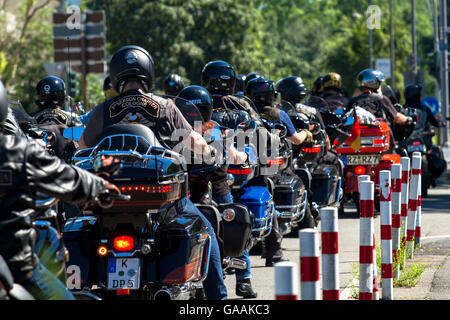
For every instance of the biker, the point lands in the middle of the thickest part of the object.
(51, 95)
(333, 91)
(372, 100)
(109, 93)
(132, 76)
(262, 94)
(219, 78)
(413, 94)
(26, 168)
(173, 84)
(201, 98)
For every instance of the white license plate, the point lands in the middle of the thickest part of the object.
(412, 148)
(124, 273)
(368, 159)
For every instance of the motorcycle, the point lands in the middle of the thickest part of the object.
(323, 180)
(371, 158)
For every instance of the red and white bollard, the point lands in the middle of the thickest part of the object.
(405, 162)
(387, 282)
(366, 236)
(413, 201)
(330, 253)
(396, 189)
(309, 264)
(286, 281)
(418, 233)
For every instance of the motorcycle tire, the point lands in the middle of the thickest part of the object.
(308, 220)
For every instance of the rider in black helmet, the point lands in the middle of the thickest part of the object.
(333, 86)
(173, 84)
(26, 168)
(132, 76)
(51, 96)
(219, 78)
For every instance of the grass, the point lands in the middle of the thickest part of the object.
(409, 274)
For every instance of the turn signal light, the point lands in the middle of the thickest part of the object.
(123, 243)
(147, 188)
(360, 170)
(102, 251)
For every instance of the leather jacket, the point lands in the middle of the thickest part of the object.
(26, 168)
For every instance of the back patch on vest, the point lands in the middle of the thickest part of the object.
(135, 103)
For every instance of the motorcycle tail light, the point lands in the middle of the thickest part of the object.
(246, 171)
(275, 161)
(416, 143)
(147, 188)
(123, 243)
(359, 170)
(378, 142)
(311, 150)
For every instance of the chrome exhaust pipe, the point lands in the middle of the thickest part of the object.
(173, 293)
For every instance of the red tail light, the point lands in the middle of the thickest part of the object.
(123, 243)
(359, 170)
(147, 188)
(311, 150)
(416, 143)
(378, 142)
(240, 171)
(275, 161)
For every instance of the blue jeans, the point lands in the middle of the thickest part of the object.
(44, 285)
(241, 274)
(214, 284)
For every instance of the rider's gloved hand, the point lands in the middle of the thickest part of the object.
(309, 136)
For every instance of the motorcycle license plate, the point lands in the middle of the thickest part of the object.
(412, 148)
(124, 273)
(359, 159)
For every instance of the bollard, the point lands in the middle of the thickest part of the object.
(413, 201)
(366, 235)
(418, 232)
(387, 283)
(330, 256)
(396, 188)
(375, 271)
(309, 264)
(405, 162)
(286, 281)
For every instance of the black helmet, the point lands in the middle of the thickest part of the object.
(260, 91)
(332, 81)
(50, 92)
(108, 89)
(317, 87)
(3, 104)
(251, 76)
(200, 97)
(292, 89)
(370, 79)
(173, 84)
(240, 83)
(131, 63)
(413, 92)
(219, 77)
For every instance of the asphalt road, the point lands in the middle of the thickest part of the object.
(434, 253)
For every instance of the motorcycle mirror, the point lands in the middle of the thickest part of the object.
(73, 133)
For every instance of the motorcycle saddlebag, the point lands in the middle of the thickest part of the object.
(288, 189)
(183, 249)
(437, 163)
(237, 229)
(259, 201)
(325, 185)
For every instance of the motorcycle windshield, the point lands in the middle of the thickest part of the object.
(19, 111)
